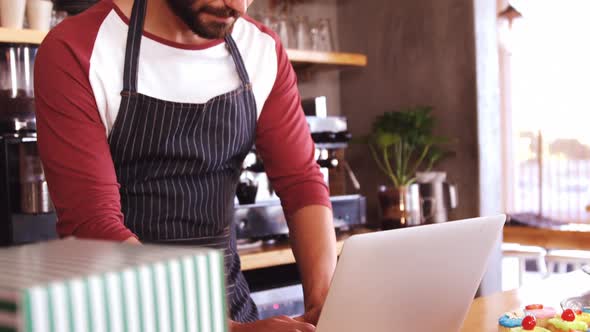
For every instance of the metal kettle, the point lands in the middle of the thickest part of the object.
(439, 196)
(33, 186)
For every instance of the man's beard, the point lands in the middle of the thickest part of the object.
(191, 17)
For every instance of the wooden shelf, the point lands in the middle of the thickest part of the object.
(299, 57)
(275, 255)
(21, 36)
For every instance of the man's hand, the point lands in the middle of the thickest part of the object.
(132, 240)
(275, 324)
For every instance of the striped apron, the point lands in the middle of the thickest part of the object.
(178, 164)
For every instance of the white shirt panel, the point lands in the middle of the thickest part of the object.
(176, 74)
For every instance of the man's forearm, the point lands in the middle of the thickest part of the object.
(313, 241)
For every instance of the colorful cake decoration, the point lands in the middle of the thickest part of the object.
(540, 318)
(511, 319)
(534, 306)
(583, 316)
(541, 313)
(568, 315)
(567, 322)
(529, 323)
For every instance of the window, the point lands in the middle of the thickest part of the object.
(547, 110)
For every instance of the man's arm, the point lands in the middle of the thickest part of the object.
(314, 245)
(73, 145)
(284, 142)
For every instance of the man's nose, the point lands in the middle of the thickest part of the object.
(238, 5)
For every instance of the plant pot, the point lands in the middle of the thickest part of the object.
(400, 207)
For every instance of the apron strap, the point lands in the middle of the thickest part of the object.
(237, 57)
(134, 35)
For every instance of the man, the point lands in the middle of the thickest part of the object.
(146, 110)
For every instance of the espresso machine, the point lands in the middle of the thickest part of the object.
(258, 211)
(26, 211)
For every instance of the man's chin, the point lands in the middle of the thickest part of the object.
(210, 33)
(214, 30)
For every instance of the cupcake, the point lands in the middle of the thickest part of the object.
(510, 320)
(566, 322)
(529, 323)
(582, 316)
(541, 313)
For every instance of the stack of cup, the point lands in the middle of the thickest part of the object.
(39, 13)
(12, 14)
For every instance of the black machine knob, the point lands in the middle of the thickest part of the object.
(332, 137)
(328, 163)
(343, 137)
(324, 137)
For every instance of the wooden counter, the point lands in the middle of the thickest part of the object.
(281, 254)
(484, 312)
(567, 237)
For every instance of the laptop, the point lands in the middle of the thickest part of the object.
(415, 279)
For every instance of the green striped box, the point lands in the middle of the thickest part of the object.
(79, 285)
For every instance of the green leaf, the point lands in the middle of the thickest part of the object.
(403, 142)
(384, 140)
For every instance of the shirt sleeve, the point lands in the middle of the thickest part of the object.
(73, 146)
(284, 142)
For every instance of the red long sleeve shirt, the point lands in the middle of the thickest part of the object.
(78, 80)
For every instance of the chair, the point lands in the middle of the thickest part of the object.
(560, 259)
(524, 253)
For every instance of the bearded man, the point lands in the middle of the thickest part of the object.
(146, 110)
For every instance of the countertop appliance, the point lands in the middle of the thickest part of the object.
(266, 220)
(439, 196)
(331, 137)
(259, 214)
(26, 211)
(316, 106)
(17, 105)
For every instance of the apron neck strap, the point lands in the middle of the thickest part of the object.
(237, 57)
(134, 35)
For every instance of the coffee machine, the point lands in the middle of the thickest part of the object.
(258, 212)
(26, 211)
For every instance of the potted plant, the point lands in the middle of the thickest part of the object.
(402, 143)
